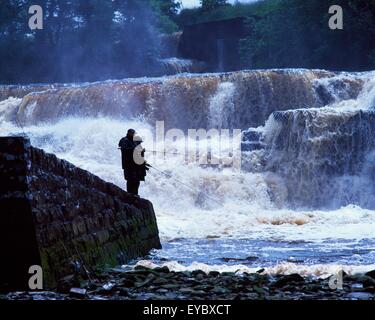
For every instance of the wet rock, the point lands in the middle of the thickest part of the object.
(65, 284)
(370, 289)
(108, 286)
(198, 272)
(171, 286)
(219, 290)
(123, 292)
(149, 279)
(368, 281)
(370, 274)
(153, 285)
(200, 276)
(259, 290)
(142, 268)
(360, 296)
(127, 283)
(164, 269)
(77, 293)
(288, 279)
(161, 281)
(357, 286)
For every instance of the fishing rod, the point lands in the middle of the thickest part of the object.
(166, 152)
(21, 126)
(177, 180)
(182, 183)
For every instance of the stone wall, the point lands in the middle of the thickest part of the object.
(63, 218)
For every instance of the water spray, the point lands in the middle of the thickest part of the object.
(183, 183)
(21, 126)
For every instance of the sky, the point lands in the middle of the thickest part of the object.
(195, 3)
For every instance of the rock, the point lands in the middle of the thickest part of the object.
(123, 292)
(127, 283)
(160, 281)
(368, 282)
(219, 290)
(65, 284)
(162, 290)
(200, 276)
(109, 286)
(170, 286)
(214, 274)
(370, 274)
(359, 295)
(142, 268)
(285, 280)
(203, 287)
(164, 269)
(357, 286)
(150, 278)
(197, 272)
(186, 290)
(370, 290)
(77, 293)
(259, 290)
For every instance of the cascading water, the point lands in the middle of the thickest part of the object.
(222, 106)
(228, 219)
(325, 155)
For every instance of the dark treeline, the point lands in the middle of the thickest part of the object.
(295, 33)
(90, 40)
(82, 40)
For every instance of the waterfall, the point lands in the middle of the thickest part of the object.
(325, 154)
(185, 101)
(306, 186)
(175, 65)
(221, 106)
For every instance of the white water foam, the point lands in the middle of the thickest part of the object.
(317, 270)
(242, 206)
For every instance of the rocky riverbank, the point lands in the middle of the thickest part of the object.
(163, 284)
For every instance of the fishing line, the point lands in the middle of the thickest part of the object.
(21, 126)
(166, 152)
(184, 184)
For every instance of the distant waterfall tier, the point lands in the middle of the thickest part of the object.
(188, 101)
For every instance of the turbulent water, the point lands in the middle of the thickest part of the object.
(304, 199)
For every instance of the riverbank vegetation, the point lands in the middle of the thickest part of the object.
(96, 40)
(295, 33)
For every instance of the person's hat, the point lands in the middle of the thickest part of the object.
(137, 138)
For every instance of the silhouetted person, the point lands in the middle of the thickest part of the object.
(133, 161)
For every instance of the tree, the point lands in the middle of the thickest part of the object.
(166, 12)
(209, 5)
(82, 40)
